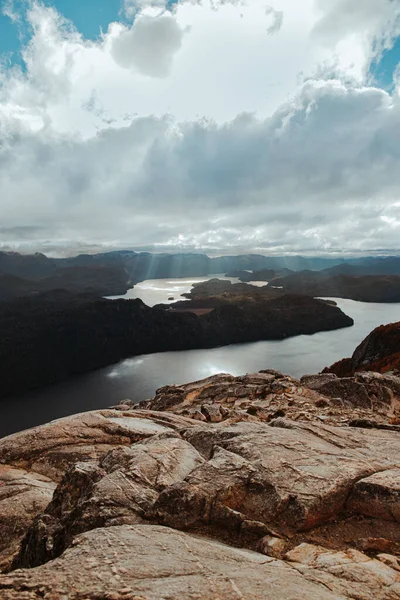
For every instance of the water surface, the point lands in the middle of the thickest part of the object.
(138, 378)
(167, 291)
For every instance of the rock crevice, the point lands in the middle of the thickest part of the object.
(140, 499)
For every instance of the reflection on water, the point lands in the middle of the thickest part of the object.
(159, 291)
(138, 378)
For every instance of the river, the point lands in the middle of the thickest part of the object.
(137, 378)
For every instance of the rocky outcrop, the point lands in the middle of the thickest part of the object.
(378, 352)
(151, 562)
(269, 395)
(22, 495)
(379, 393)
(248, 487)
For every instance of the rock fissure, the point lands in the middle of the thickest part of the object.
(284, 499)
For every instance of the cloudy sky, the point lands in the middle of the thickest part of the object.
(220, 125)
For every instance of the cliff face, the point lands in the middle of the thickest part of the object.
(380, 351)
(256, 487)
(53, 337)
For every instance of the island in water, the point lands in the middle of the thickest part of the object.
(54, 336)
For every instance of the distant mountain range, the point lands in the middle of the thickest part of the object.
(112, 273)
(99, 280)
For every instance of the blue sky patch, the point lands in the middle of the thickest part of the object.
(382, 71)
(88, 16)
(92, 16)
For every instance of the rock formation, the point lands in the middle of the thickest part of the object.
(253, 487)
(378, 352)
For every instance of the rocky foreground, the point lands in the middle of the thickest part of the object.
(254, 487)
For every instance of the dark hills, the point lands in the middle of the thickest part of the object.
(99, 280)
(373, 266)
(365, 288)
(51, 337)
(262, 275)
(365, 280)
(112, 273)
(227, 291)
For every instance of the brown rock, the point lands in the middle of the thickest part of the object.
(291, 476)
(377, 496)
(273, 546)
(52, 448)
(120, 489)
(212, 413)
(375, 579)
(372, 544)
(22, 496)
(151, 562)
(303, 478)
(390, 561)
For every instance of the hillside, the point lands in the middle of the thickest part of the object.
(365, 288)
(99, 280)
(50, 337)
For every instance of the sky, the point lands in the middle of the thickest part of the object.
(229, 126)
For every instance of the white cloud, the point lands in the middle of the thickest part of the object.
(372, 24)
(9, 11)
(247, 157)
(149, 45)
(297, 179)
(132, 7)
(277, 20)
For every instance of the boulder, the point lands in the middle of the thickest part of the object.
(377, 496)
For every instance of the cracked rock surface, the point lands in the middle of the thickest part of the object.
(260, 486)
